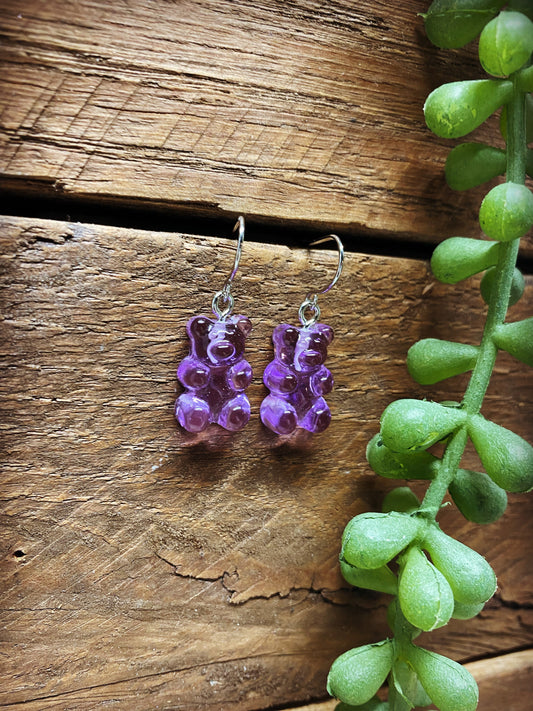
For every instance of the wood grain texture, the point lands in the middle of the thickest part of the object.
(146, 568)
(303, 112)
(504, 682)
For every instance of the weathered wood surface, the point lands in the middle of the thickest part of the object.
(303, 112)
(146, 568)
(504, 683)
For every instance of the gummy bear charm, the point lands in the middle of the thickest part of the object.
(298, 379)
(215, 374)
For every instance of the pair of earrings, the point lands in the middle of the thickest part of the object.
(215, 374)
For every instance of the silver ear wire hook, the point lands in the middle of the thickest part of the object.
(224, 296)
(310, 302)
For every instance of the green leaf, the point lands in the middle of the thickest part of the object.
(462, 611)
(506, 212)
(356, 675)
(517, 339)
(471, 164)
(379, 579)
(507, 458)
(412, 425)
(451, 23)
(455, 109)
(406, 679)
(518, 285)
(431, 360)
(458, 258)
(449, 685)
(506, 43)
(424, 594)
(371, 540)
(477, 497)
(470, 576)
(401, 499)
(400, 465)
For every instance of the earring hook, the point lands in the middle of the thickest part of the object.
(224, 296)
(340, 247)
(310, 302)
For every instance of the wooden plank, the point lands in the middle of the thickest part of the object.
(304, 112)
(506, 679)
(144, 567)
(504, 682)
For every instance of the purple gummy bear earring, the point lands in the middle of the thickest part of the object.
(215, 374)
(297, 377)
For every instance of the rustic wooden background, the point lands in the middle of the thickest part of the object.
(144, 568)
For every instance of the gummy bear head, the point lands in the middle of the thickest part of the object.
(285, 338)
(218, 342)
(304, 348)
(312, 347)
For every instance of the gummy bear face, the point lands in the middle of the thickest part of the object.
(218, 343)
(305, 349)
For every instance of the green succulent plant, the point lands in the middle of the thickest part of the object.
(437, 576)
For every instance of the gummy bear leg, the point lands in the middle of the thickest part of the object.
(192, 412)
(235, 413)
(318, 417)
(278, 415)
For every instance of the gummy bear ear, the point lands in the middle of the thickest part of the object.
(325, 331)
(244, 325)
(199, 326)
(285, 334)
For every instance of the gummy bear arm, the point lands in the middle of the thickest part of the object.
(239, 376)
(191, 372)
(280, 378)
(321, 381)
(323, 372)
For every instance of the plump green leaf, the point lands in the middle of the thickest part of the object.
(455, 109)
(401, 499)
(458, 258)
(507, 458)
(477, 497)
(471, 578)
(400, 465)
(453, 23)
(506, 43)
(424, 594)
(380, 579)
(449, 685)
(506, 212)
(371, 540)
(356, 675)
(406, 680)
(517, 339)
(518, 285)
(431, 360)
(471, 164)
(412, 425)
(462, 611)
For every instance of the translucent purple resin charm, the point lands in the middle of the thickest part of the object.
(298, 379)
(215, 374)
